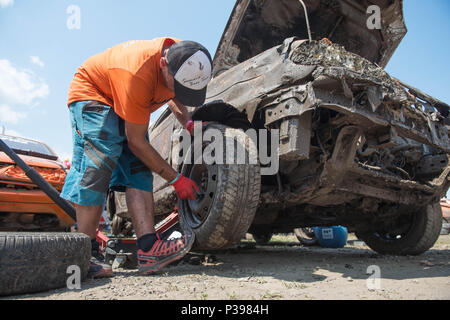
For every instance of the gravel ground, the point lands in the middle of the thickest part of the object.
(283, 269)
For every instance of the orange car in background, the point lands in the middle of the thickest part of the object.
(23, 206)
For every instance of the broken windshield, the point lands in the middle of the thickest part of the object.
(29, 147)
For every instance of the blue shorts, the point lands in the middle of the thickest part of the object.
(101, 157)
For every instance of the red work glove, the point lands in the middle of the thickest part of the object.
(184, 187)
(191, 124)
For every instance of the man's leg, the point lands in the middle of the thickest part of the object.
(97, 146)
(154, 252)
(88, 218)
(141, 208)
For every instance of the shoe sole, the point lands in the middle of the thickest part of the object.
(155, 268)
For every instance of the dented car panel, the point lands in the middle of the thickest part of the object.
(299, 76)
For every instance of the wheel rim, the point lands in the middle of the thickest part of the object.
(196, 211)
(309, 232)
(389, 236)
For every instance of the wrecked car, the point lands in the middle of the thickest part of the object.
(354, 146)
(23, 206)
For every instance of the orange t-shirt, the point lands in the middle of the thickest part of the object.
(126, 77)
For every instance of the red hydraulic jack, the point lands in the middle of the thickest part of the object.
(122, 252)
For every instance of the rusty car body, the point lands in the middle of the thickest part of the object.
(357, 147)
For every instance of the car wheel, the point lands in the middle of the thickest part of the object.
(419, 236)
(306, 236)
(225, 211)
(38, 261)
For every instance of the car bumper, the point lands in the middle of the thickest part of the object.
(32, 201)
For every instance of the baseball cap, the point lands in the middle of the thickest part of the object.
(190, 64)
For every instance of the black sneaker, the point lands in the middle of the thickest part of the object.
(98, 267)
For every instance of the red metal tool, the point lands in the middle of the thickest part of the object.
(123, 251)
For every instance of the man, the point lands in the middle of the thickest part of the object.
(110, 100)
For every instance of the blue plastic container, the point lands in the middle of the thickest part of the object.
(331, 237)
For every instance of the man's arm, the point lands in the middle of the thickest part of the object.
(139, 145)
(180, 111)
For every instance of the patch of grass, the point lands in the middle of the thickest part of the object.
(294, 285)
(271, 296)
(232, 296)
(260, 280)
(171, 287)
(288, 238)
(443, 240)
(284, 238)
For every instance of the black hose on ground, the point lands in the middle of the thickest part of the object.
(39, 181)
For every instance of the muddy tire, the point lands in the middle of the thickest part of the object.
(306, 236)
(423, 232)
(33, 262)
(223, 215)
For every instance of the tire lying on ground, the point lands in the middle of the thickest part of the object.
(222, 216)
(423, 231)
(306, 236)
(38, 261)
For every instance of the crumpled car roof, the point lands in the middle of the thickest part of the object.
(255, 26)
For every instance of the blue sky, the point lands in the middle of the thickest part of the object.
(34, 105)
(39, 54)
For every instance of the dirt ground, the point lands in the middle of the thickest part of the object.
(283, 269)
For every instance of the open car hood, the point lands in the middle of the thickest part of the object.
(257, 25)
